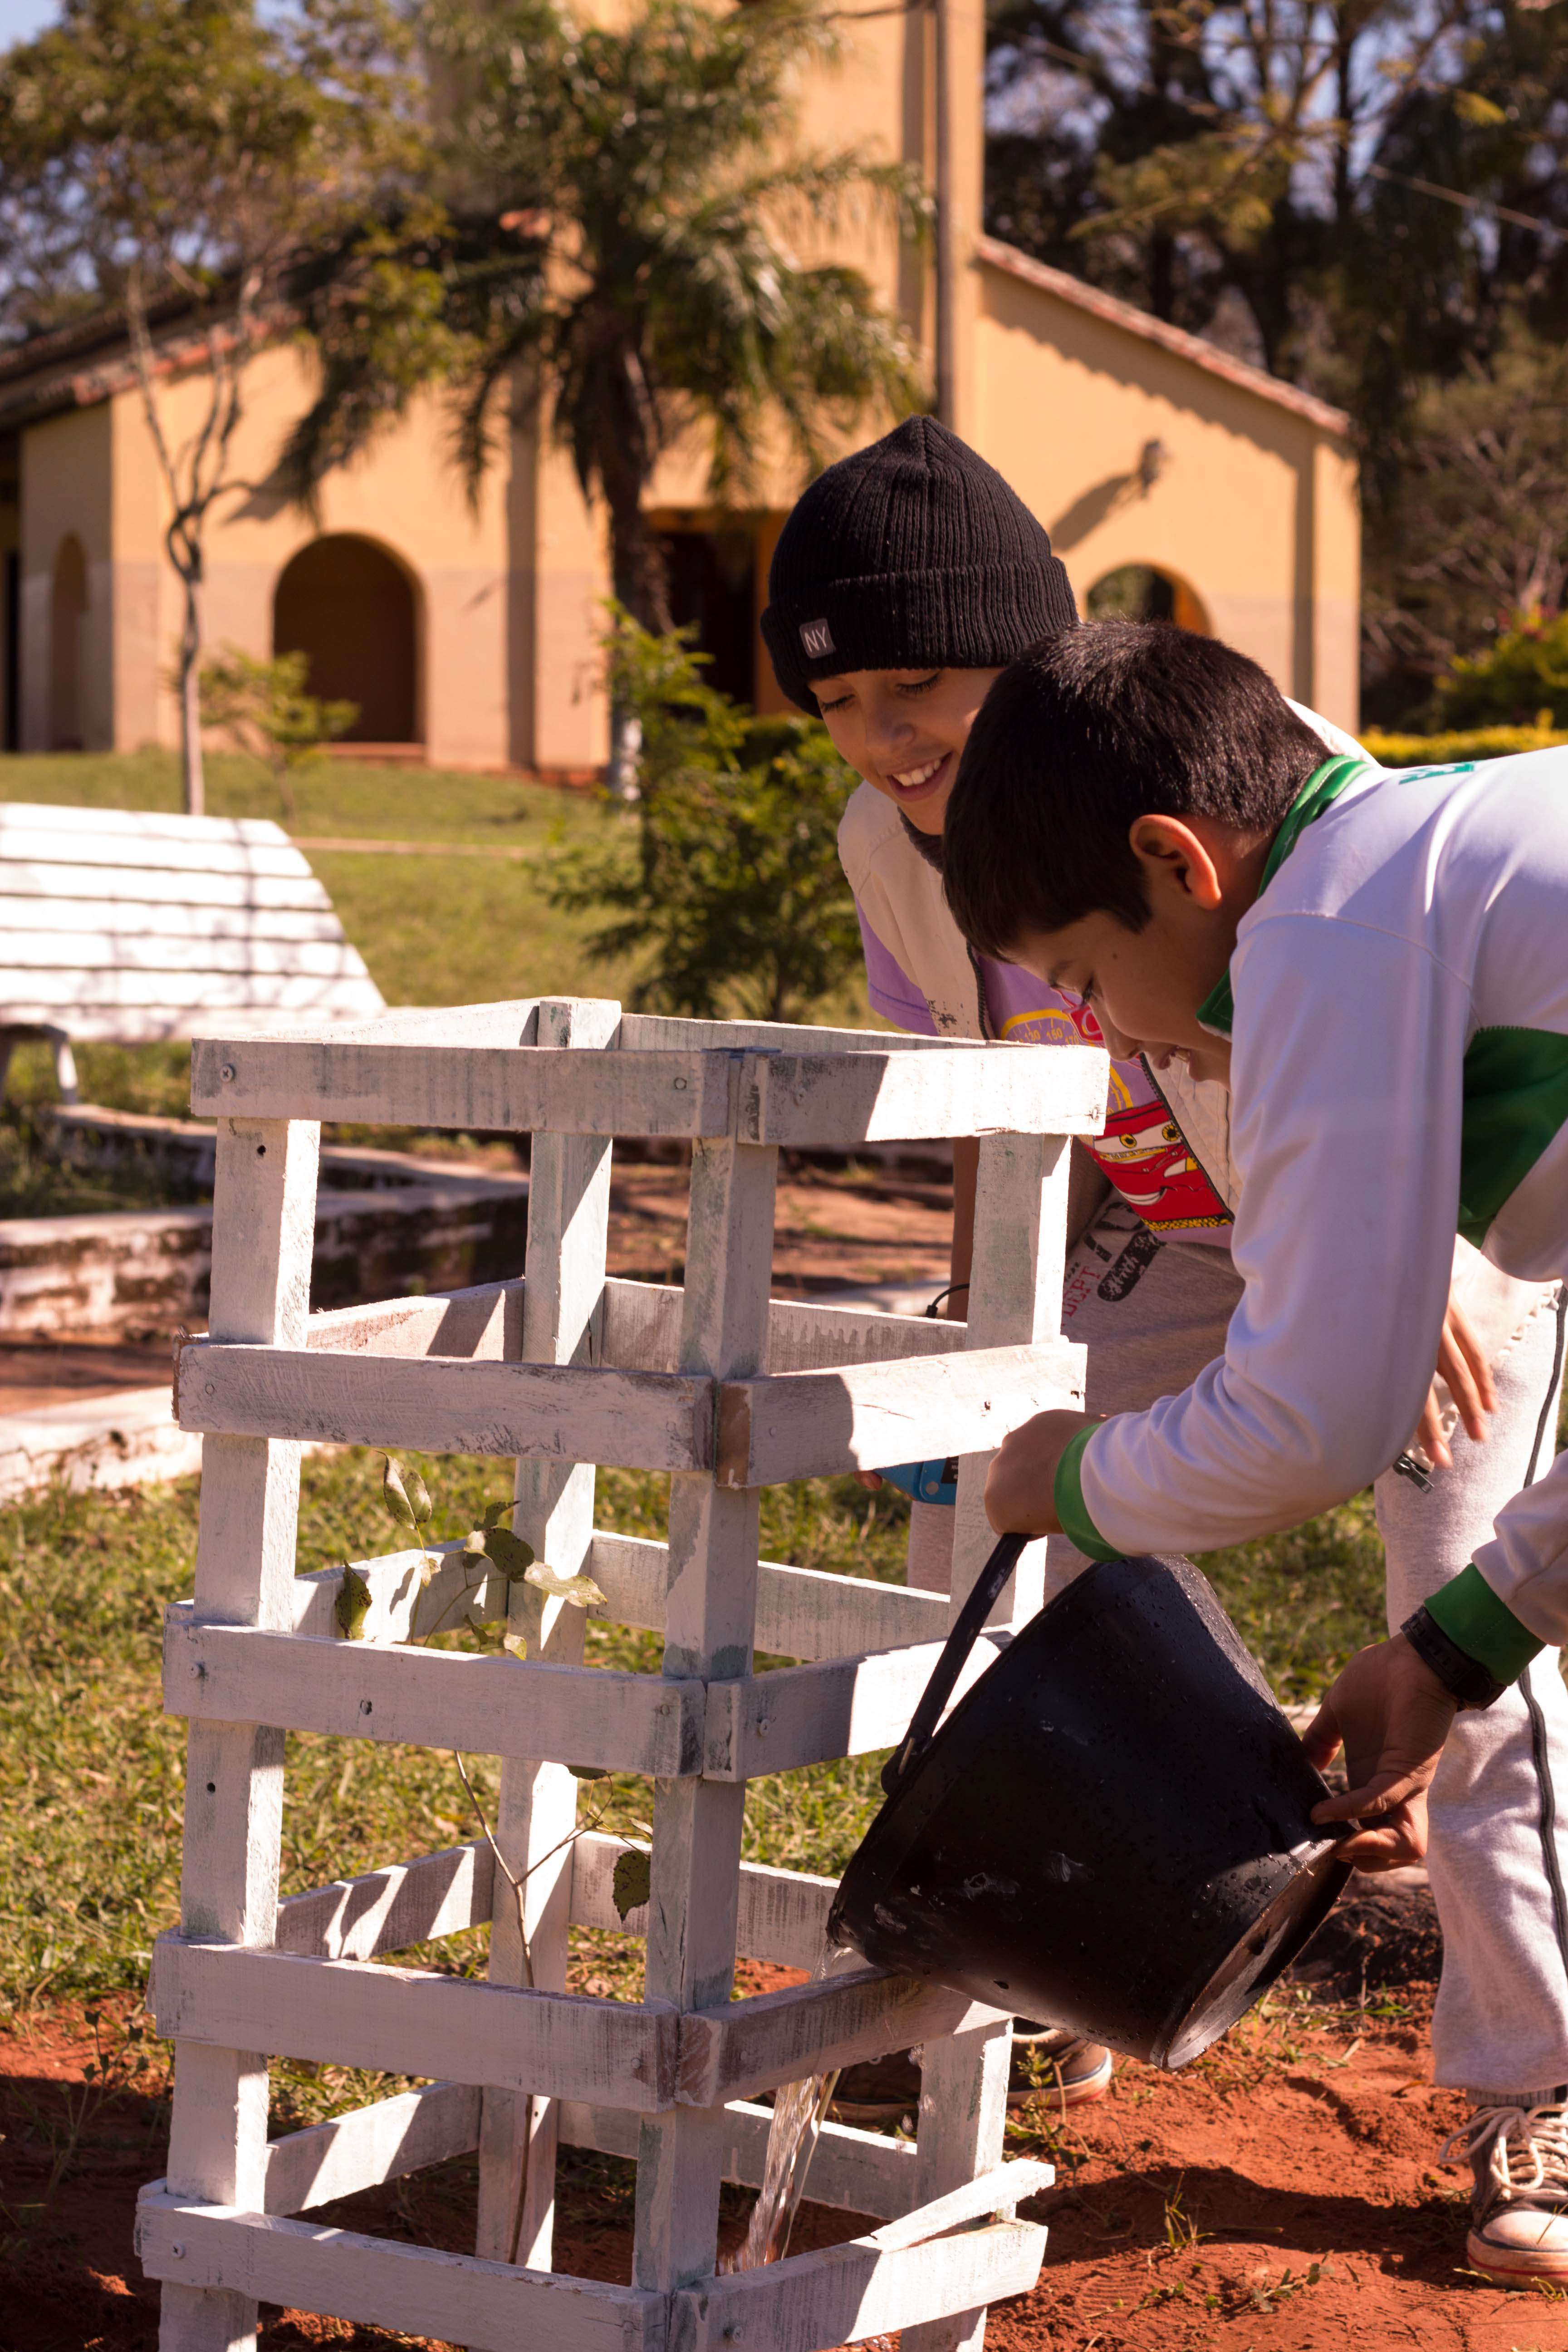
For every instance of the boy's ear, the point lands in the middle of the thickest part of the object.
(1175, 859)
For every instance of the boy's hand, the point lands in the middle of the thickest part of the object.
(1020, 1485)
(1392, 1715)
(1462, 1363)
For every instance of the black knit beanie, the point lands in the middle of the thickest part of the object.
(912, 550)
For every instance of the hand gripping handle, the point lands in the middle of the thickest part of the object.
(945, 1672)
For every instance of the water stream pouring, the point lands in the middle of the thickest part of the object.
(1112, 1830)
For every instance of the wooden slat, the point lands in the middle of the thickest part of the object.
(859, 2171)
(388, 1910)
(46, 995)
(410, 2021)
(781, 1914)
(130, 920)
(39, 879)
(379, 2283)
(656, 1032)
(803, 1100)
(488, 1705)
(504, 1089)
(371, 2145)
(811, 1714)
(640, 1421)
(474, 1322)
(820, 1424)
(780, 2037)
(118, 950)
(21, 819)
(909, 2270)
(88, 844)
(802, 1612)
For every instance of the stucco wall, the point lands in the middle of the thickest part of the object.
(66, 469)
(1253, 506)
(406, 496)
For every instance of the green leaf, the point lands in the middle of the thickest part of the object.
(586, 1772)
(352, 1605)
(580, 1591)
(514, 1644)
(495, 1513)
(508, 1552)
(395, 1496)
(419, 1497)
(633, 1882)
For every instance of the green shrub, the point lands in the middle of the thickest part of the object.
(725, 877)
(1471, 743)
(1522, 679)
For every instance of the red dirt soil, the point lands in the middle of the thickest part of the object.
(1280, 2196)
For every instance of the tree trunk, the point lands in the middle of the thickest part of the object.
(192, 775)
(641, 585)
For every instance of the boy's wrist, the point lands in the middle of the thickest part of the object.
(1072, 1512)
(1471, 1640)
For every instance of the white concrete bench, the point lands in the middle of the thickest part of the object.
(129, 927)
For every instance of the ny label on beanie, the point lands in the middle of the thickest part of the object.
(818, 639)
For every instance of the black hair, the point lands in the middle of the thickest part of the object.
(1089, 731)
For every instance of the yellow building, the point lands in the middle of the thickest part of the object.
(1172, 477)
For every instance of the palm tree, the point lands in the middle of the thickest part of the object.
(617, 252)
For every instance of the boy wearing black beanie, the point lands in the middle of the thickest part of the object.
(906, 578)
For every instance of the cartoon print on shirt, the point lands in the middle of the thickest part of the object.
(1145, 1155)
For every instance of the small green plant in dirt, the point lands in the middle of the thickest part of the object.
(265, 708)
(725, 878)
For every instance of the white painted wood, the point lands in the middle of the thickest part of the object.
(1014, 1296)
(133, 837)
(488, 1087)
(708, 1618)
(822, 1100)
(485, 1321)
(840, 2294)
(802, 1612)
(641, 1420)
(568, 1228)
(781, 1915)
(859, 2171)
(29, 994)
(820, 1424)
(263, 1227)
(387, 1910)
(370, 2145)
(745, 2046)
(86, 956)
(490, 1706)
(174, 887)
(412, 2021)
(380, 2283)
(807, 1714)
(132, 918)
(656, 1032)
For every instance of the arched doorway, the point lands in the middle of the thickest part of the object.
(1143, 591)
(67, 626)
(344, 601)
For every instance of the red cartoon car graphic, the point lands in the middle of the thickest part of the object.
(1145, 1155)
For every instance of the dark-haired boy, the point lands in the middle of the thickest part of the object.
(1141, 818)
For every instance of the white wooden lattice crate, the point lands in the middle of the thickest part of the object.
(565, 1369)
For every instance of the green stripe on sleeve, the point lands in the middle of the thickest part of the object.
(1067, 1495)
(1477, 1623)
(1516, 1100)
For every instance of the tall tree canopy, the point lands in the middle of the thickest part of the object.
(176, 157)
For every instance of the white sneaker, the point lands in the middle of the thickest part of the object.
(1518, 2211)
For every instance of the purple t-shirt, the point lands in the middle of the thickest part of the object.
(1143, 1150)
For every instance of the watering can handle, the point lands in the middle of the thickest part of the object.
(960, 1642)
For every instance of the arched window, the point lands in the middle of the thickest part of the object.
(68, 628)
(347, 605)
(1141, 591)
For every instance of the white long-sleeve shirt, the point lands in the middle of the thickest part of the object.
(1399, 1069)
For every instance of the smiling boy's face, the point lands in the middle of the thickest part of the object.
(904, 731)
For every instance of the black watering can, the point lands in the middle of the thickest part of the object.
(1112, 1830)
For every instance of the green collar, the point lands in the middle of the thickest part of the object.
(1218, 1010)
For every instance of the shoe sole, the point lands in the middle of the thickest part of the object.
(1550, 2268)
(1082, 2094)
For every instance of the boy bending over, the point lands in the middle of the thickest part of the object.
(1140, 820)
